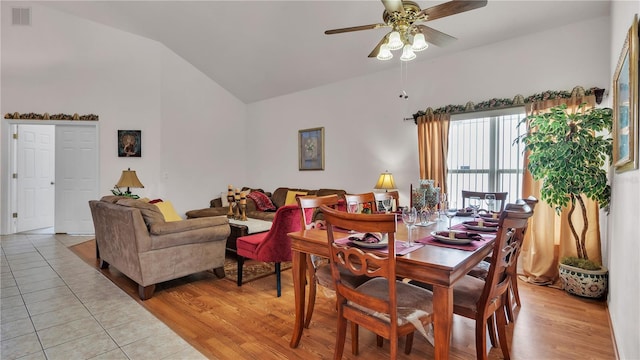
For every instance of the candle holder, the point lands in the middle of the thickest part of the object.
(231, 201)
(236, 215)
(243, 210)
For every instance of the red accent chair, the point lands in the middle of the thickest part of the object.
(273, 245)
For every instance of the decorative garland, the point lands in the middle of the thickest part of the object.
(505, 103)
(46, 116)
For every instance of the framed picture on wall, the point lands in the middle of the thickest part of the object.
(625, 104)
(129, 143)
(311, 149)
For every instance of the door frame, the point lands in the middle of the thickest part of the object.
(8, 165)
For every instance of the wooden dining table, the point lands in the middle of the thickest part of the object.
(435, 265)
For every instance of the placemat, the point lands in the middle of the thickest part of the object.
(472, 246)
(400, 247)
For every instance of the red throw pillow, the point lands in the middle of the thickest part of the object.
(263, 203)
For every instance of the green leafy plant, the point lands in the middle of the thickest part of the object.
(117, 192)
(569, 152)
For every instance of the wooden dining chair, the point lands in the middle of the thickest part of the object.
(318, 268)
(366, 200)
(480, 300)
(384, 305)
(500, 196)
(482, 269)
(394, 195)
(271, 246)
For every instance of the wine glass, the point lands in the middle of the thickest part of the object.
(409, 216)
(474, 203)
(450, 210)
(490, 199)
(352, 207)
(386, 204)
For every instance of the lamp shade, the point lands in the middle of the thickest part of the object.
(385, 181)
(395, 42)
(407, 53)
(385, 53)
(129, 179)
(419, 42)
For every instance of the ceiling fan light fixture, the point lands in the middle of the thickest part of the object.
(407, 53)
(395, 42)
(385, 53)
(419, 43)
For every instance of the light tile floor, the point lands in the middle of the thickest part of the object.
(55, 306)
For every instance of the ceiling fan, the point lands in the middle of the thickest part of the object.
(404, 18)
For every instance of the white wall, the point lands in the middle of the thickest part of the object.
(622, 232)
(365, 134)
(64, 64)
(197, 138)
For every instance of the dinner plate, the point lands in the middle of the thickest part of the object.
(378, 245)
(464, 213)
(490, 217)
(480, 228)
(448, 240)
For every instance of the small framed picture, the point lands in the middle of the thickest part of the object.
(129, 143)
(311, 149)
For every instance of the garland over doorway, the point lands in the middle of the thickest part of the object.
(518, 100)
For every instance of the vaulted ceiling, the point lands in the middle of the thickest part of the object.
(263, 49)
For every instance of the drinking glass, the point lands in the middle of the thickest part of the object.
(474, 203)
(490, 199)
(409, 216)
(450, 210)
(442, 207)
(386, 204)
(352, 207)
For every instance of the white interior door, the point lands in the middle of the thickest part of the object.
(76, 177)
(35, 177)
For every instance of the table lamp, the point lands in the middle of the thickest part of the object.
(129, 179)
(385, 181)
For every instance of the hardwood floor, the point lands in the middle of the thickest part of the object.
(224, 321)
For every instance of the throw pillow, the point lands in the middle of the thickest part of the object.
(150, 212)
(291, 197)
(263, 203)
(167, 210)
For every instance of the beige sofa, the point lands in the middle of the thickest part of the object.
(132, 236)
(278, 197)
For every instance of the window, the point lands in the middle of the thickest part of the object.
(482, 155)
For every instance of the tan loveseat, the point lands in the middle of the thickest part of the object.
(132, 236)
(278, 197)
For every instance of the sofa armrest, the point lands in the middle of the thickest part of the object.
(172, 227)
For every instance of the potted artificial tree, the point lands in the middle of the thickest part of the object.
(569, 153)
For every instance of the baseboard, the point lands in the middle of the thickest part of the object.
(613, 334)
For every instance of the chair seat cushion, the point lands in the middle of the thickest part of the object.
(413, 302)
(481, 270)
(467, 292)
(247, 245)
(324, 278)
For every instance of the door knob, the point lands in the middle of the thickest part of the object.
(52, 183)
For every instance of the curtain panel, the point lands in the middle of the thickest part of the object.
(548, 237)
(433, 146)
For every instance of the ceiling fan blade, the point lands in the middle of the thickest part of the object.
(376, 50)
(451, 8)
(435, 37)
(355, 28)
(393, 6)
